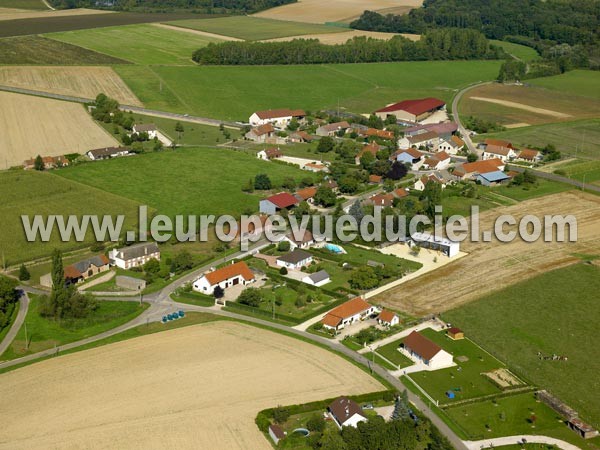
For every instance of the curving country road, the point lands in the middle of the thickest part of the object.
(456, 114)
(16, 326)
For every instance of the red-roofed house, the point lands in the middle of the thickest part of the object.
(400, 193)
(529, 155)
(371, 148)
(264, 134)
(412, 110)
(451, 145)
(439, 161)
(388, 318)
(50, 162)
(374, 132)
(422, 182)
(278, 117)
(306, 194)
(421, 349)
(231, 275)
(277, 202)
(315, 167)
(375, 179)
(269, 153)
(348, 313)
(496, 151)
(471, 170)
(383, 200)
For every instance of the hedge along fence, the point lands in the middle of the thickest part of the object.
(491, 397)
(264, 417)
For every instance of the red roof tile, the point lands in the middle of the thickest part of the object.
(283, 200)
(230, 271)
(416, 106)
(422, 346)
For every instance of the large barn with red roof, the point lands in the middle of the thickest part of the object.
(412, 110)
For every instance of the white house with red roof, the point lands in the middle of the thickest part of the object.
(346, 412)
(429, 139)
(451, 145)
(412, 110)
(422, 350)
(388, 318)
(348, 313)
(439, 161)
(277, 202)
(231, 275)
(505, 154)
(278, 117)
(434, 178)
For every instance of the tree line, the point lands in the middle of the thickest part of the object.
(443, 44)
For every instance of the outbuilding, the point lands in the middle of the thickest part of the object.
(317, 279)
(456, 333)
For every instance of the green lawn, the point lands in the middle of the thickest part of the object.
(44, 333)
(254, 28)
(390, 351)
(526, 192)
(39, 50)
(185, 181)
(585, 83)
(379, 360)
(518, 51)
(141, 44)
(468, 379)
(577, 138)
(587, 171)
(223, 91)
(31, 193)
(553, 313)
(23, 4)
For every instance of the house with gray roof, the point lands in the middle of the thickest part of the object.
(295, 259)
(135, 255)
(317, 279)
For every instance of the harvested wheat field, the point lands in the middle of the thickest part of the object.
(317, 11)
(340, 38)
(13, 14)
(494, 265)
(196, 387)
(517, 105)
(85, 82)
(33, 125)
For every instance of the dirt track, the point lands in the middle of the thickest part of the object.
(494, 265)
(533, 109)
(198, 32)
(197, 387)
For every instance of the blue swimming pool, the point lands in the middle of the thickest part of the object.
(334, 248)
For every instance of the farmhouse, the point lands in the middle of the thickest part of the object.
(346, 412)
(277, 202)
(107, 153)
(278, 117)
(371, 148)
(306, 194)
(444, 130)
(469, 171)
(148, 128)
(296, 259)
(412, 110)
(382, 200)
(315, 167)
(451, 145)
(80, 271)
(332, 129)
(529, 155)
(429, 139)
(269, 153)
(495, 151)
(50, 162)
(492, 178)
(388, 318)
(264, 134)
(422, 349)
(231, 275)
(456, 333)
(306, 240)
(433, 242)
(434, 178)
(439, 161)
(497, 142)
(410, 156)
(348, 313)
(317, 279)
(374, 132)
(300, 136)
(134, 255)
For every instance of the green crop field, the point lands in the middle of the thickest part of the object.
(233, 93)
(31, 193)
(25, 50)
(141, 44)
(255, 28)
(553, 313)
(578, 138)
(586, 171)
(585, 83)
(518, 51)
(186, 181)
(23, 4)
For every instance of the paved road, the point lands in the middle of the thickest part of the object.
(554, 177)
(512, 440)
(136, 109)
(456, 115)
(16, 326)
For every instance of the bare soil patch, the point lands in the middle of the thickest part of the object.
(517, 105)
(13, 14)
(194, 387)
(340, 38)
(33, 125)
(491, 266)
(86, 82)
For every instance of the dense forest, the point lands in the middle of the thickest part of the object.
(203, 6)
(554, 27)
(442, 44)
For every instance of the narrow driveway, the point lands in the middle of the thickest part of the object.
(16, 326)
(512, 440)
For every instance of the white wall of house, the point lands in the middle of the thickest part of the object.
(441, 360)
(308, 280)
(296, 266)
(134, 262)
(354, 421)
(203, 285)
(280, 122)
(448, 147)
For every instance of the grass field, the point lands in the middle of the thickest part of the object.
(186, 181)
(390, 352)
(86, 82)
(42, 51)
(584, 83)
(552, 313)
(222, 92)
(33, 193)
(518, 51)
(23, 4)
(254, 28)
(586, 171)
(42, 126)
(43, 333)
(577, 138)
(141, 44)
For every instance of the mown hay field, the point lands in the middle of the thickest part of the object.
(85, 82)
(29, 7)
(141, 44)
(195, 387)
(33, 126)
(340, 38)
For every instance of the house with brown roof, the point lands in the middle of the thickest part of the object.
(439, 161)
(306, 194)
(135, 255)
(382, 200)
(428, 140)
(269, 153)
(388, 318)
(300, 136)
(497, 142)
(278, 117)
(148, 128)
(80, 271)
(469, 171)
(432, 177)
(107, 153)
(412, 110)
(410, 156)
(400, 193)
(302, 239)
(455, 333)
(371, 148)
(374, 132)
(500, 152)
(444, 130)
(295, 260)
(529, 155)
(331, 129)
(315, 167)
(422, 350)
(276, 433)
(375, 179)
(347, 313)
(346, 412)
(50, 162)
(277, 202)
(231, 275)
(451, 145)
(264, 134)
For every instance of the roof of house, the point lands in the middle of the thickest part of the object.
(441, 156)
(372, 148)
(498, 150)
(343, 409)
(307, 236)
(454, 330)
(498, 142)
(422, 137)
(283, 112)
(400, 192)
(421, 345)
(458, 141)
(495, 176)
(48, 160)
(82, 266)
(387, 316)
(431, 162)
(331, 321)
(273, 152)
(303, 135)
(349, 308)
(144, 127)
(411, 151)
(379, 133)
(335, 126)
(529, 154)
(137, 250)
(318, 166)
(239, 268)
(439, 128)
(375, 178)
(283, 200)
(263, 129)
(382, 199)
(431, 177)
(277, 431)
(107, 151)
(295, 256)
(485, 166)
(417, 106)
(306, 193)
(319, 276)
(332, 184)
